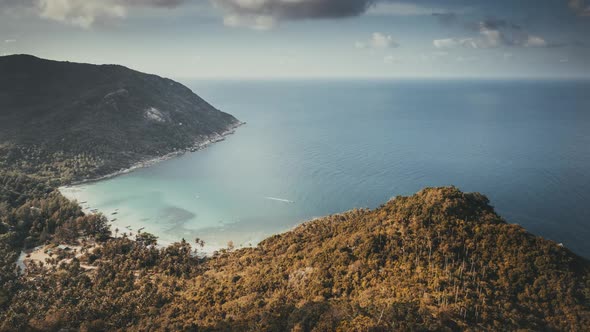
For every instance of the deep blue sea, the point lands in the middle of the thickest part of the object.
(313, 148)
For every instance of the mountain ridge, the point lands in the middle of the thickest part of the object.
(85, 121)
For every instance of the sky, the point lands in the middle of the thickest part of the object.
(266, 39)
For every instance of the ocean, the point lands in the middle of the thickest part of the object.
(314, 148)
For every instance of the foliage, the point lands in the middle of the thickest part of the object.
(33, 213)
(438, 260)
(68, 121)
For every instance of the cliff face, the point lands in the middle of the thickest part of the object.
(86, 120)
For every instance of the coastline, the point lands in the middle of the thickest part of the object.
(200, 145)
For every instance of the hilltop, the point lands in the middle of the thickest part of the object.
(438, 260)
(72, 121)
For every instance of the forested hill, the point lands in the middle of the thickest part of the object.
(440, 260)
(71, 121)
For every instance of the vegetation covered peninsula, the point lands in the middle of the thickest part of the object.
(71, 121)
(438, 260)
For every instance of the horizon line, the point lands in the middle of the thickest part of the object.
(384, 78)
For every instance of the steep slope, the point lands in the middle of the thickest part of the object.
(79, 120)
(438, 260)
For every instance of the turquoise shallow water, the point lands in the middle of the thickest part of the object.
(312, 148)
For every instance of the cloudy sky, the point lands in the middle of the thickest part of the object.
(308, 38)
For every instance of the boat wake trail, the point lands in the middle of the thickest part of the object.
(279, 199)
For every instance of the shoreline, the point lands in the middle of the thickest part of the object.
(209, 140)
(197, 146)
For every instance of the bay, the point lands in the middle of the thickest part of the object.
(313, 148)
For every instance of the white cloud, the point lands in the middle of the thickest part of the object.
(256, 22)
(81, 13)
(491, 38)
(378, 40)
(534, 41)
(456, 42)
(494, 34)
(10, 41)
(472, 43)
(446, 43)
(401, 9)
(391, 59)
